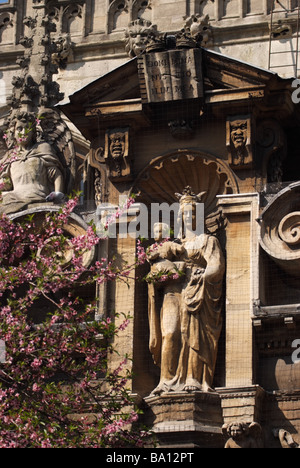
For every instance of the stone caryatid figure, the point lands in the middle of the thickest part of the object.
(32, 170)
(185, 325)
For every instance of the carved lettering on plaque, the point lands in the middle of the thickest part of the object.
(171, 76)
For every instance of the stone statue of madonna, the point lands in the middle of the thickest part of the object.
(185, 326)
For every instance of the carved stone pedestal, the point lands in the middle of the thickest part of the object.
(185, 419)
(242, 403)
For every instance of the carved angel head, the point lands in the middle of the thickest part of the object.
(237, 430)
(243, 435)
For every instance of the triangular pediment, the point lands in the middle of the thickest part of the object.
(222, 72)
(120, 92)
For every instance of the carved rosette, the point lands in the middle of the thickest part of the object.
(280, 229)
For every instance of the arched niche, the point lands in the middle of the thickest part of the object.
(170, 174)
(122, 12)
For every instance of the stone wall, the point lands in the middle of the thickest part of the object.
(92, 33)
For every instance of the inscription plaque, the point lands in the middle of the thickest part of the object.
(171, 76)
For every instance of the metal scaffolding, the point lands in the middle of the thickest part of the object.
(281, 31)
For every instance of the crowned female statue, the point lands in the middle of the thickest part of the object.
(185, 326)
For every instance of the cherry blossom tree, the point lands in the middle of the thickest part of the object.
(56, 387)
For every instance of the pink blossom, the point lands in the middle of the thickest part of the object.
(66, 345)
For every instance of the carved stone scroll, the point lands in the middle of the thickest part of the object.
(75, 227)
(280, 229)
(285, 438)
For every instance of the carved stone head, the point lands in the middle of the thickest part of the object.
(239, 140)
(161, 231)
(243, 435)
(238, 133)
(200, 30)
(139, 34)
(237, 430)
(117, 152)
(21, 130)
(117, 144)
(187, 208)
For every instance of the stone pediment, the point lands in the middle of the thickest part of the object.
(200, 76)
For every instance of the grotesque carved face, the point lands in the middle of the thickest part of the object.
(138, 35)
(238, 130)
(117, 145)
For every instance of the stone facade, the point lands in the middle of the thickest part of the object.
(177, 101)
(92, 33)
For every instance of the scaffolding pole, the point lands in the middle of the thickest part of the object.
(271, 37)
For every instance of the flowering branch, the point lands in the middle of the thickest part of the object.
(55, 386)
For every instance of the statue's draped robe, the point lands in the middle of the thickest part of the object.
(200, 313)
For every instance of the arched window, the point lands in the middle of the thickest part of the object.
(206, 7)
